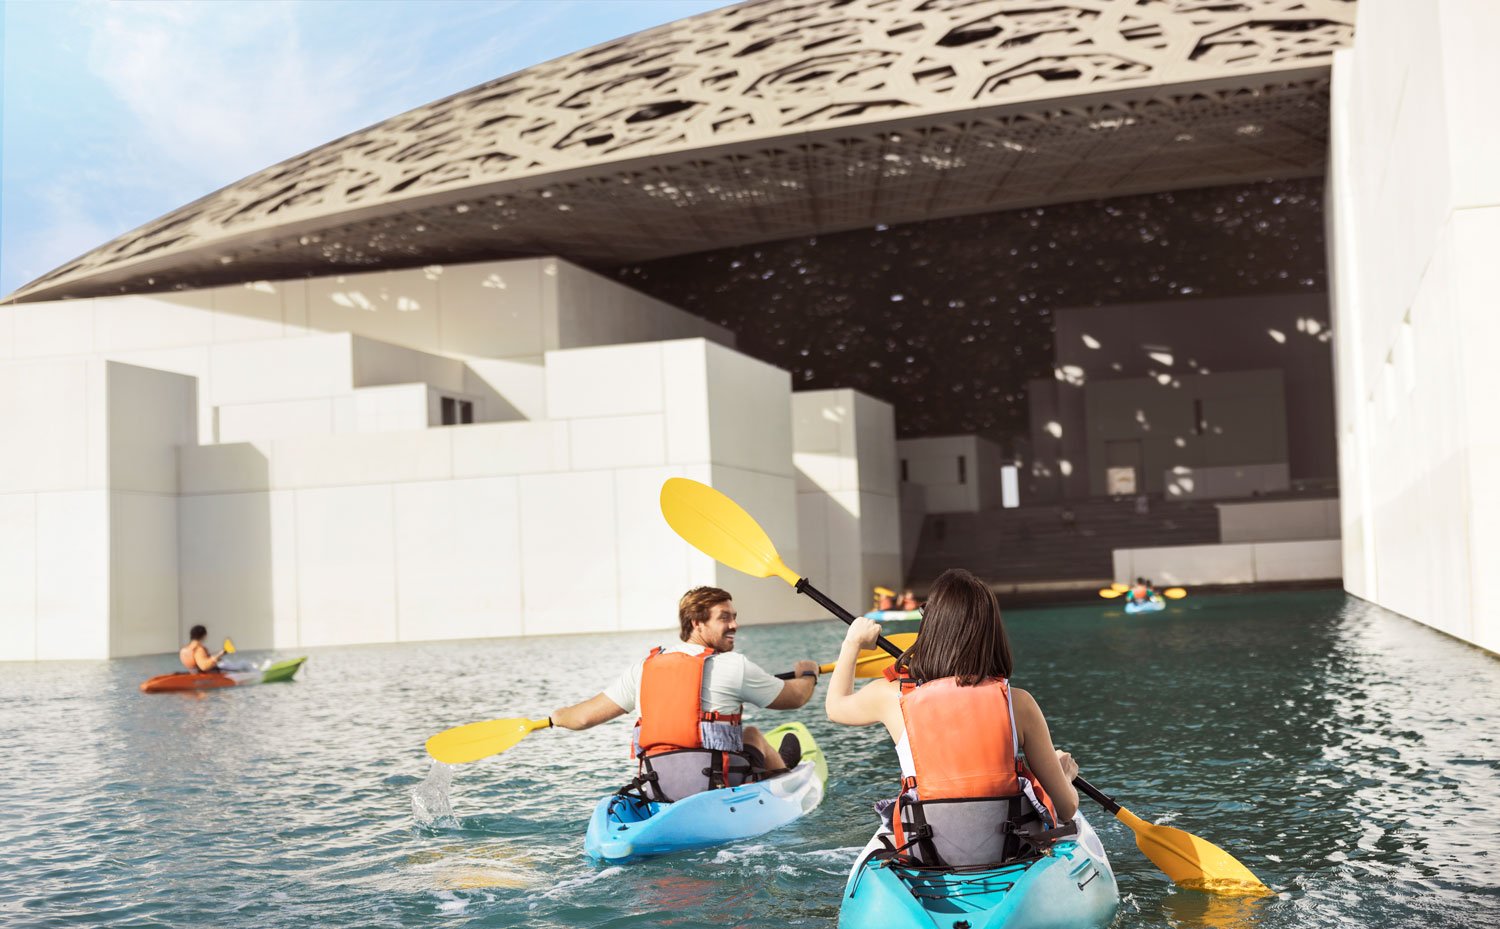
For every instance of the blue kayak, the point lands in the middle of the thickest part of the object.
(1073, 887)
(1153, 605)
(623, 828)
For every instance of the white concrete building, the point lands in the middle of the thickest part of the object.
(449, 452)
(1414, 217)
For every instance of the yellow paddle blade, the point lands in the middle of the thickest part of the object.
(1174, 593)
(1119, 588)
(885, 592)
(871, 666)
(463, 744)
(1192, 862)
(1108, 593)
(719, 528)
(229, 646)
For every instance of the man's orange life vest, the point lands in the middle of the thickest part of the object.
(963, 741)
(671, 702)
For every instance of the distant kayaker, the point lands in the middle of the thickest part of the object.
(962, 733)
(691, 696)
(909, 600)
(195, 656)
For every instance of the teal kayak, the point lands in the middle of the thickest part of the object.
(1153, 605)
(624, 828)
(1072, 887)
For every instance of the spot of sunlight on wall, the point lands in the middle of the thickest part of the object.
(1140, 417)
(1161, 357)
(407, 305)
(835, 414)
(1065, 466)
(1278, 335)
(493, 282)
(1180, 442)
(1055, 428)
(1070, 374)
(1164, 379)
(1090, 341)
(353, 300)
(261, 287)
(432, 272)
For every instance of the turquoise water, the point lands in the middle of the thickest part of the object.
(1348, 756)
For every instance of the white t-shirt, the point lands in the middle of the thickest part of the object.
(729, 681)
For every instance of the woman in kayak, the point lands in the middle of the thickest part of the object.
(961, 732)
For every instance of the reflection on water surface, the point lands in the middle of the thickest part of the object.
(1351, 758)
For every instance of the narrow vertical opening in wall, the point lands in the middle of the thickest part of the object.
(465, 412)
(963, 470)
(1198, 424)
(450, 411)
(905, 473)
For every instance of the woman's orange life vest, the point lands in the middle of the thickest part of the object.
(671, 702)
(963, 741)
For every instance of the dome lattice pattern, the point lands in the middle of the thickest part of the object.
(772, 119)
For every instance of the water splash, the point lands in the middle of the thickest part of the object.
(429, 799)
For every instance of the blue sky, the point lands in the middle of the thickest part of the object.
(117, 112)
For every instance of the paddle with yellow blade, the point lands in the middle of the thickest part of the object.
(229, 646)
(718, 527)
(1118, 590)
(1188, 860)
(870, 663)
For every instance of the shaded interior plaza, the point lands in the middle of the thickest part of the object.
(1065, 296)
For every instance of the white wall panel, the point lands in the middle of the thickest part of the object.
(750, 412)
(286, 602)
(772, 500)
(298, 369)
(152, 321)
(248, 312)
(458, 546)
(685, 388)
(569, 562)
(49, 410)
(396, 408)
(493, 309)
(1298, 561)
(379, 363)
(224, 564)
(510, 448)
(151, 413)
(656, 566)
(362, 458)
(143, 612)
(72, 575)
(211, 469)
(400, 307)
(346, 577)
(513, 388)
(18, 617)
(7, 332)
(618, 442)
(1278, 520)
(63, 327)
(615, 380)
(278, 419)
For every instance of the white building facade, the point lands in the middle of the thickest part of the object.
(450, 452)
(1414, 220)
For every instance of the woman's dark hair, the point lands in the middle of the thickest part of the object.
(197, 632)
(696, 605)
(961, 634)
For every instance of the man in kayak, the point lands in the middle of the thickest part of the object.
(704, 665)
(195, 656)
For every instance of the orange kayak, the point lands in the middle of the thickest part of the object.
(190, 680)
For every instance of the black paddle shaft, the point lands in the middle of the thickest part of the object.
(1099, 796)
(821, 599)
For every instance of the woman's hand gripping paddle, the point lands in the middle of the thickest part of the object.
(719, 528)
(463, 744)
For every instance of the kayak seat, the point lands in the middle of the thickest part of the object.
(981, 832)
(675, 775)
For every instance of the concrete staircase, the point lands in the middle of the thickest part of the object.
(1039, 545)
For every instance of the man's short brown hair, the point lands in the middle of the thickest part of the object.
(695, 606)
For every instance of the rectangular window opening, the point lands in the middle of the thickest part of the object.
(905, 474)
(465, 411)
(963, 470)
(450, 411)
